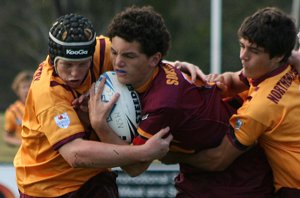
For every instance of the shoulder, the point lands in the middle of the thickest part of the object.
(101, 57)
(47, 92)
(102, 44)
(167, 87)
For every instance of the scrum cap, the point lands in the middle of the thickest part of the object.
(71, 37)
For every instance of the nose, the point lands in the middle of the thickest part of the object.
(75, 71)
(243, 54)
(119, 61)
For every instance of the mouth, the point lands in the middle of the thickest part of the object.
(73, 82)
(120, 72)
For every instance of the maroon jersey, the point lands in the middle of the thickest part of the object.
(198, 119)
(197, 116)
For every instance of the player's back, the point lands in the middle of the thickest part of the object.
(199, 119)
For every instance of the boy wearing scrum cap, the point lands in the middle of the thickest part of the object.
(60, 156)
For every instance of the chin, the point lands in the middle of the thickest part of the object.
(74, 86)
(121, 80)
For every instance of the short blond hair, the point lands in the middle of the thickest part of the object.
(23, 76)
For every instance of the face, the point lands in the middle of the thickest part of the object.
(256, 62)
(72, 72)
(131, 65)
(23, 90)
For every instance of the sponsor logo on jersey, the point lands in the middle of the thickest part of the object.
(62, 120)
(76, 52)
(171, 75)
(282, 86)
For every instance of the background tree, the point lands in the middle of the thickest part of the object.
(25, 24)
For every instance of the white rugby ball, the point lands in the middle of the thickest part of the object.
(126, 113)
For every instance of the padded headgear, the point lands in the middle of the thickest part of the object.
(71, 37)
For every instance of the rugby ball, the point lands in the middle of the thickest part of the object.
(126, 113)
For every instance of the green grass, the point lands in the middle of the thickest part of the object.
(7, 152)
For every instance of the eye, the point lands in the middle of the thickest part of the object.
(130, 56)
(113, 52)
(66, 65)
(255, 51)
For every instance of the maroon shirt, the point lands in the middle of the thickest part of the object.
(199, 119)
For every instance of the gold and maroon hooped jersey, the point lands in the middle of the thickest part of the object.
(50, 122)
(13, 118)
(271, 115)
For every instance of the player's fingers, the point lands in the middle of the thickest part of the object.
(75, 102)
(169, 138)
(92, 90)
(98, 91)
(193, 72)
(164, 132)
(212, 77)
(200, 74)
(113, 99)
(222, 86)
(177, 64)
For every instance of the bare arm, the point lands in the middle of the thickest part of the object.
(85, 153)
(194, 71)
(228, 82)
(11, 139)
(214, 159)
(98, 112)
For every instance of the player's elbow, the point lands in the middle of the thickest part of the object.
(74, 156)
(74, 161)
(132, 172)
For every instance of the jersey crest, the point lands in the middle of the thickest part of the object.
(62, 120)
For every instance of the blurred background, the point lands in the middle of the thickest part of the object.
(25, 24)
(203, 32)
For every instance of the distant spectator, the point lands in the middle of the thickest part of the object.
(14, 113)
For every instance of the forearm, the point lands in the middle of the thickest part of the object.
(233, 82)
(109, 136)
(214, 159)
(12, 140)
(237, 85)
(205, 160)
(82, 153)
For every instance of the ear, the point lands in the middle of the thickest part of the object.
(154, 59)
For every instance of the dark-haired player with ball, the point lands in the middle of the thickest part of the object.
(197, 116)
(60, 156)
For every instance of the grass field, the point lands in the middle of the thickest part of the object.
(7, 152)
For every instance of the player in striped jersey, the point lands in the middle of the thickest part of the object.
(14, 113)
(197, 116)
(60, 154)
(269, 116)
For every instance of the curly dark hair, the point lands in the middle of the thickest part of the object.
(271, 29)
(144, 25)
